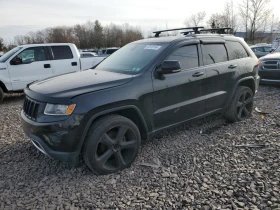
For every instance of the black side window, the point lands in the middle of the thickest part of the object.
(237, 51)
(88, 55)
(187, 56)
(61, 52)
(214, 53)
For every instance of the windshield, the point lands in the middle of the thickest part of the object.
(7, 55)
(132, 58)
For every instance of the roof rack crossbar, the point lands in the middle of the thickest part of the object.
(188, 32)
(217, 30)
(195, 29)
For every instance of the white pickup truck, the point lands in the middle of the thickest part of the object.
(27, 63)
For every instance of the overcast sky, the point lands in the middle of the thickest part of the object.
(20, 16)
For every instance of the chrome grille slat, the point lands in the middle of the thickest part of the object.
(30, 108)
(271, 65)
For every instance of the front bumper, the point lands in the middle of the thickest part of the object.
(270, 77)
(58, 140)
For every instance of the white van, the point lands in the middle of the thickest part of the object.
(28, 63)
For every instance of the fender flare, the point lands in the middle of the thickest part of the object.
(95, 116)
(3, 86)
(237, 84)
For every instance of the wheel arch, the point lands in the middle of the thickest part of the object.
(3, 87)
(246, 81)
(131, 112)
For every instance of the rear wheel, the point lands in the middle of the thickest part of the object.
(241, 106)
(112, 144)
(2, 94)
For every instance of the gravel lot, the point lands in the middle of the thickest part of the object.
(199, 165)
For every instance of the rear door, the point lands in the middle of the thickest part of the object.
(64, 61)
(221, 74)
(29, 65)
(179, 96)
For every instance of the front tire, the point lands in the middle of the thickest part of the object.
(2, 95)
(241, 106)
(112, 144)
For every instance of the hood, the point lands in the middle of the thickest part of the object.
(73, 84)
(275, 55)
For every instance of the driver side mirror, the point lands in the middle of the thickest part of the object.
(272, 50)
(16, 61)
(169, 67)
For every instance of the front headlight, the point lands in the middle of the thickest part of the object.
(58, 109)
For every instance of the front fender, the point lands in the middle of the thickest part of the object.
(5, 77)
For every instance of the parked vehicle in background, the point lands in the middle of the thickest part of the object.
(27, 63)
(276, 43)
(91, 50)
(269, 68)
(261, 49)
(108, 51)
(87, 54)
(89, 59)
(143, 88)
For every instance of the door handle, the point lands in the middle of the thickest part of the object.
(46, 66)
(232, 66)
(198, 74)
(74, 63)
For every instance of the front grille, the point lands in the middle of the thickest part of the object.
(271, 65)
(30, 108)
(271, 62)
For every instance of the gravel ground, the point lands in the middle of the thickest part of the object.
(200, 165)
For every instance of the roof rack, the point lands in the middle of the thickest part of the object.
(188, 32)
(195, 29)
(218, 30)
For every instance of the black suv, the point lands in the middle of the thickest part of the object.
(145, 87)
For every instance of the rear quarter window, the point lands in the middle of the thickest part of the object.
(236, 50)
(61, 52)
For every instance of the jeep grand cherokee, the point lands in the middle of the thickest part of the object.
(143, 88)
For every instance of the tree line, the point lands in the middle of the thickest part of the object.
(91, 35)
(254, 17)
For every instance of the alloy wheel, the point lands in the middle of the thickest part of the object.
(245, 105)
(116, 148)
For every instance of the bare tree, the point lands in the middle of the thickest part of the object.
(195, 19)
(1, 44)
(225, 19)
(254, 14)
(217, 21)
(229, 17)
(85, 36)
